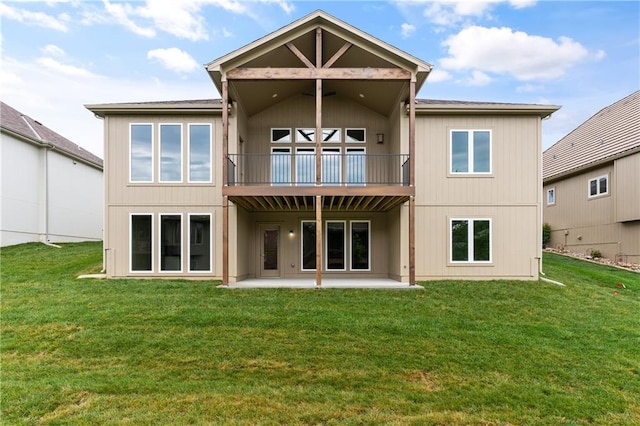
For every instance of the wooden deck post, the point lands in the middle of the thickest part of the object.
(225, 199)
(318, 240)
(412, 181)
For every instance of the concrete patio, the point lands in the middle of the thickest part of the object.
(369, 283)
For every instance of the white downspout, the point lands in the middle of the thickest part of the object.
(47, 149)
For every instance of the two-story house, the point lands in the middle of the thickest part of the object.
(50, 188)
(592, 184)
(319, 161)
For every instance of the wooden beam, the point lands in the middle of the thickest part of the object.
(225, 240)
(291, 191)
(225, 132)
(299, 54)
(318, 240)
(337, 55)
(318, 73)
(412, 133)
(412, 240)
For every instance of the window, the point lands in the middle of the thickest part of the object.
(598, 186)
(199, 152)
(141, 243)
(360, 246)
(309, 135)
(356, 164)
(331, 166)
(470, 151)
(335, 245)
(305, 166)
(308, 260)
(141, 153)
(170, 152)
(551, 196)
(171, 243)
(281, 135)
(470, 240)
(200, 242)
(355, 135)
(281, 166)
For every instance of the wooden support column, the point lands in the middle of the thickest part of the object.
(412, 181)
(318, 240)
(225, 199)
(318, 108)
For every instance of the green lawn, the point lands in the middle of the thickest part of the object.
(178, 352)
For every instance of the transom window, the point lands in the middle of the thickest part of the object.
(281, 135)
(309, 135)
(470, 151)
(599, 186)
(470, 240)
(355, 135)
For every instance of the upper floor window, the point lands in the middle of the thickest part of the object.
(599, 186)
(470, 151)
(171, 153)
(281, 135)
(551, 196)
(141, 153)
(309, 135)
(355, 135)
(199, 152)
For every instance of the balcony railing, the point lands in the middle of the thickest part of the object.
(287, 169)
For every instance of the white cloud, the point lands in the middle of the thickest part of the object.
(35, 90)
(38, 19)
(407, 30)
(53, 50)
(448, 13)
(505, 51)
(438, 75)
(478, 78)
(120, 13)
(181, 19)
(64, 69)
(529, 88)
(174, 59)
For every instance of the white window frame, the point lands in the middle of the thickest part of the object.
(368, 222)
(281, 128)
(302, 130)
(163, 271)
(160, 153)
(551, 196)
(152, 248)
(210, 152)
(302, 222)
(345, 255)
(211, 243)
(470, 144)
(281, 150)
(597, 179)
(470, 241)
(346, 130)
(152, 153)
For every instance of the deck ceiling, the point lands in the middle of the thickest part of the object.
(343, 203)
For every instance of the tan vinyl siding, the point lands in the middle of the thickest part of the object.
(627, 184)
(124, 198)
(509, 196)
(513, 243)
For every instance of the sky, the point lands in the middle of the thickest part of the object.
(58, 55)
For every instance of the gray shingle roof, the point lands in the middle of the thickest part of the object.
(610, 133)
(19, 123)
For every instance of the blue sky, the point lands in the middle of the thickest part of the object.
(57, 56)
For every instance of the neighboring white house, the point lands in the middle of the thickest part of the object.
(51, 190)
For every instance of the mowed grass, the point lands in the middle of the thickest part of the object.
(180, 352)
